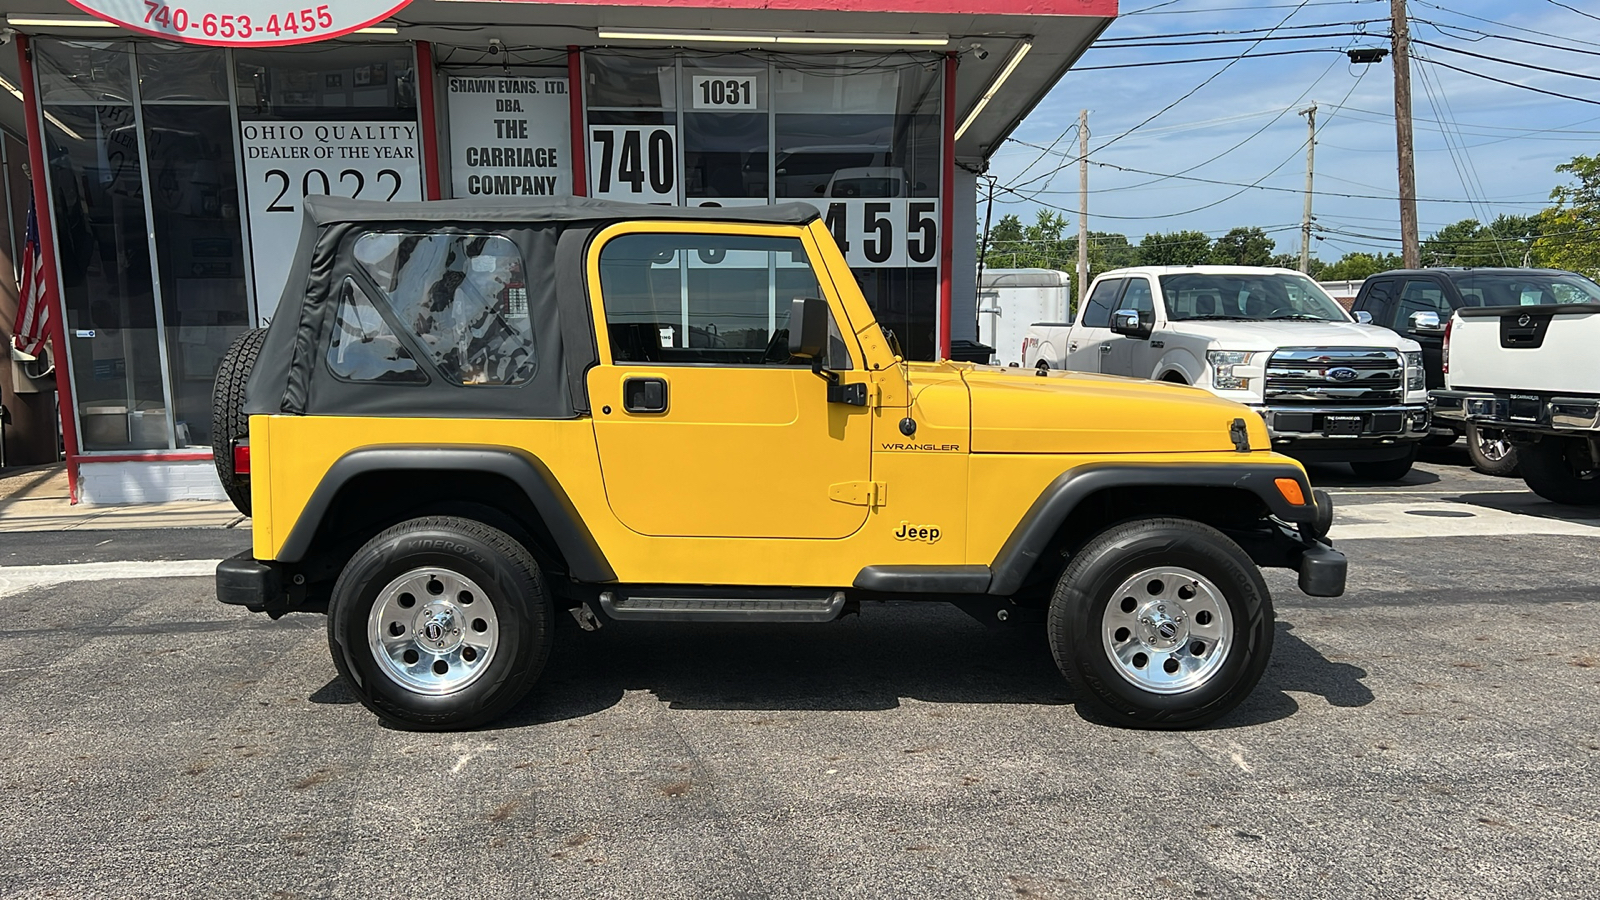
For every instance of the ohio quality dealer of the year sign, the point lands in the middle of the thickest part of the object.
(242, 23)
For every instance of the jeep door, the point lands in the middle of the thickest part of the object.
(1091, 338)
(705, 425)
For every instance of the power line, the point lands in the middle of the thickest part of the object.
(1354, 23)
(1508, 25)
(1574, 9)
(1199, 59)
(1443, 28)
(1268, 187)
(1151, 10)
(1504, 61)
(1234, 40)
(1526, 87)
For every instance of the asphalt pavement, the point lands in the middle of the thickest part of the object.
(1433, 733)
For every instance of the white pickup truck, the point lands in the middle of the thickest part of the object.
(1331, 389)
(1524, 362)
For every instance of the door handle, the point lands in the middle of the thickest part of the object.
(1072, 347)
(644, 395)
(1105, 348)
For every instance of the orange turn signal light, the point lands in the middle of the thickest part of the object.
(1290, 489)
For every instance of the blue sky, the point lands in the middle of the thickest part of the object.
(1473, 141)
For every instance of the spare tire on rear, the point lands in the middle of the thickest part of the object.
(228, 419)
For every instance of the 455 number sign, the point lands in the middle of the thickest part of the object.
(242, 23)
(895, 232)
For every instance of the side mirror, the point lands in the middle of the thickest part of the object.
(1363, 317)
(1425, 322)
(808, 328)
(1129, 323)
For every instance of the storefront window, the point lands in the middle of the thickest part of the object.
(102, 239)
(859, 136)
(330, 83)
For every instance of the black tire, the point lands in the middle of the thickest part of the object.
(1490, 452)
(1386, 469)
(508, 579)
(228, 420)
(1561, 470)
(1079, 608)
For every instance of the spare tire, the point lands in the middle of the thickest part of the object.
(228, 420)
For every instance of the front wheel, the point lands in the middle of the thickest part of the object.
(1161, 624)
(440, 623)
(1561, 470)
(1491, 452)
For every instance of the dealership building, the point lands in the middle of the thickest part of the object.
(168, 150)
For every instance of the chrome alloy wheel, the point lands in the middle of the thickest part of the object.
(433, 631)
(1492, 443)
(1167, 630)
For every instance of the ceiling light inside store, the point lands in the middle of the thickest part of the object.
(795, 37)
(17, 92)
(1011, 66)
(58, 22)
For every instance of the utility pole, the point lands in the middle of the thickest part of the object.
(1310, 113)
(1083, 206)
(1410, 249)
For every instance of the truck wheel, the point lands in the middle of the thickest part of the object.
(1561, 470)
(1386, 469)
(440, 623)
(1491, 452)
(228, 420)
(1161, 624)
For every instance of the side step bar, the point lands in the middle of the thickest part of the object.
(663, 606)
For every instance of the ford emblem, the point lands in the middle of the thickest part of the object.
(1343, 374)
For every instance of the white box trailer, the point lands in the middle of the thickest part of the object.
(1010, 300)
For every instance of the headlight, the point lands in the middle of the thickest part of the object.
(1222, 363)
(1415, 375)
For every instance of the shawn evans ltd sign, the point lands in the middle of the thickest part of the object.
(242, 23)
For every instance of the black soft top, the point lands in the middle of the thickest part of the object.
(550, 234)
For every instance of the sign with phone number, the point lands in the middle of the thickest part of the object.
(242, 23)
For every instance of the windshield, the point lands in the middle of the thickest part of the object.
(1275, 295)
(1530, 289)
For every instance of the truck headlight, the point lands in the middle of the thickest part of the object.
(1415, 375)
(1222, 364)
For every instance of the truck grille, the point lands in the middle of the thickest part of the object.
(1335, 376)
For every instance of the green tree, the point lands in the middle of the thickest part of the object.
(1507, 241)
(1569, 232)
(1357, 266)
(1178, 248)
(1243, 247)
(1292, 261)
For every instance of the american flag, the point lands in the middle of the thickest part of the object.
(33, 310)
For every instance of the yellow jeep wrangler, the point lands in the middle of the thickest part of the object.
(468, 419)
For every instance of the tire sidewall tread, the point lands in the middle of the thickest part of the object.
(1106, 561)
(499, 565)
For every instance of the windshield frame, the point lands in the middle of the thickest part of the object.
(1315, 304)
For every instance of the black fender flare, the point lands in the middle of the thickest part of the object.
(1044, 518)
(583, 555)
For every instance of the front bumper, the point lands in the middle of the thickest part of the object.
(1303, 547)
(1345, 425)
(1520, 411)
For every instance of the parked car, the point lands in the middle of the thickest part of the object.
(443, 475)
(1521, 360)
(1011, 300)
(1417, 303)
(1329, 388)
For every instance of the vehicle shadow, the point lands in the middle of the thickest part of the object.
(925, 652)
(1531, 504)
(1325, 475)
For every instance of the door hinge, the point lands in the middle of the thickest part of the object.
(871, 494)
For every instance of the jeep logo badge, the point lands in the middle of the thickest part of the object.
(910, 532)
(1343, 374)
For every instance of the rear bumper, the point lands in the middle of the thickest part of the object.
(1520, 411)
(245, 581)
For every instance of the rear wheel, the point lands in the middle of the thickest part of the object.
(1561, 470)
(440, 623)
(1491, 452)
(228, 420)
(1386, 469)
(1161, 623)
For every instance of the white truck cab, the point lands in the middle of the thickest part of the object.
(1331, 389)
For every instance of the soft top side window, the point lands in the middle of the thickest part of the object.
(364, 347)
(464, 297)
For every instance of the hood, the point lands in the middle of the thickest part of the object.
(1017, 411)
(1237, 335)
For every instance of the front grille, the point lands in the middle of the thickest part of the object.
(1313, 375)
